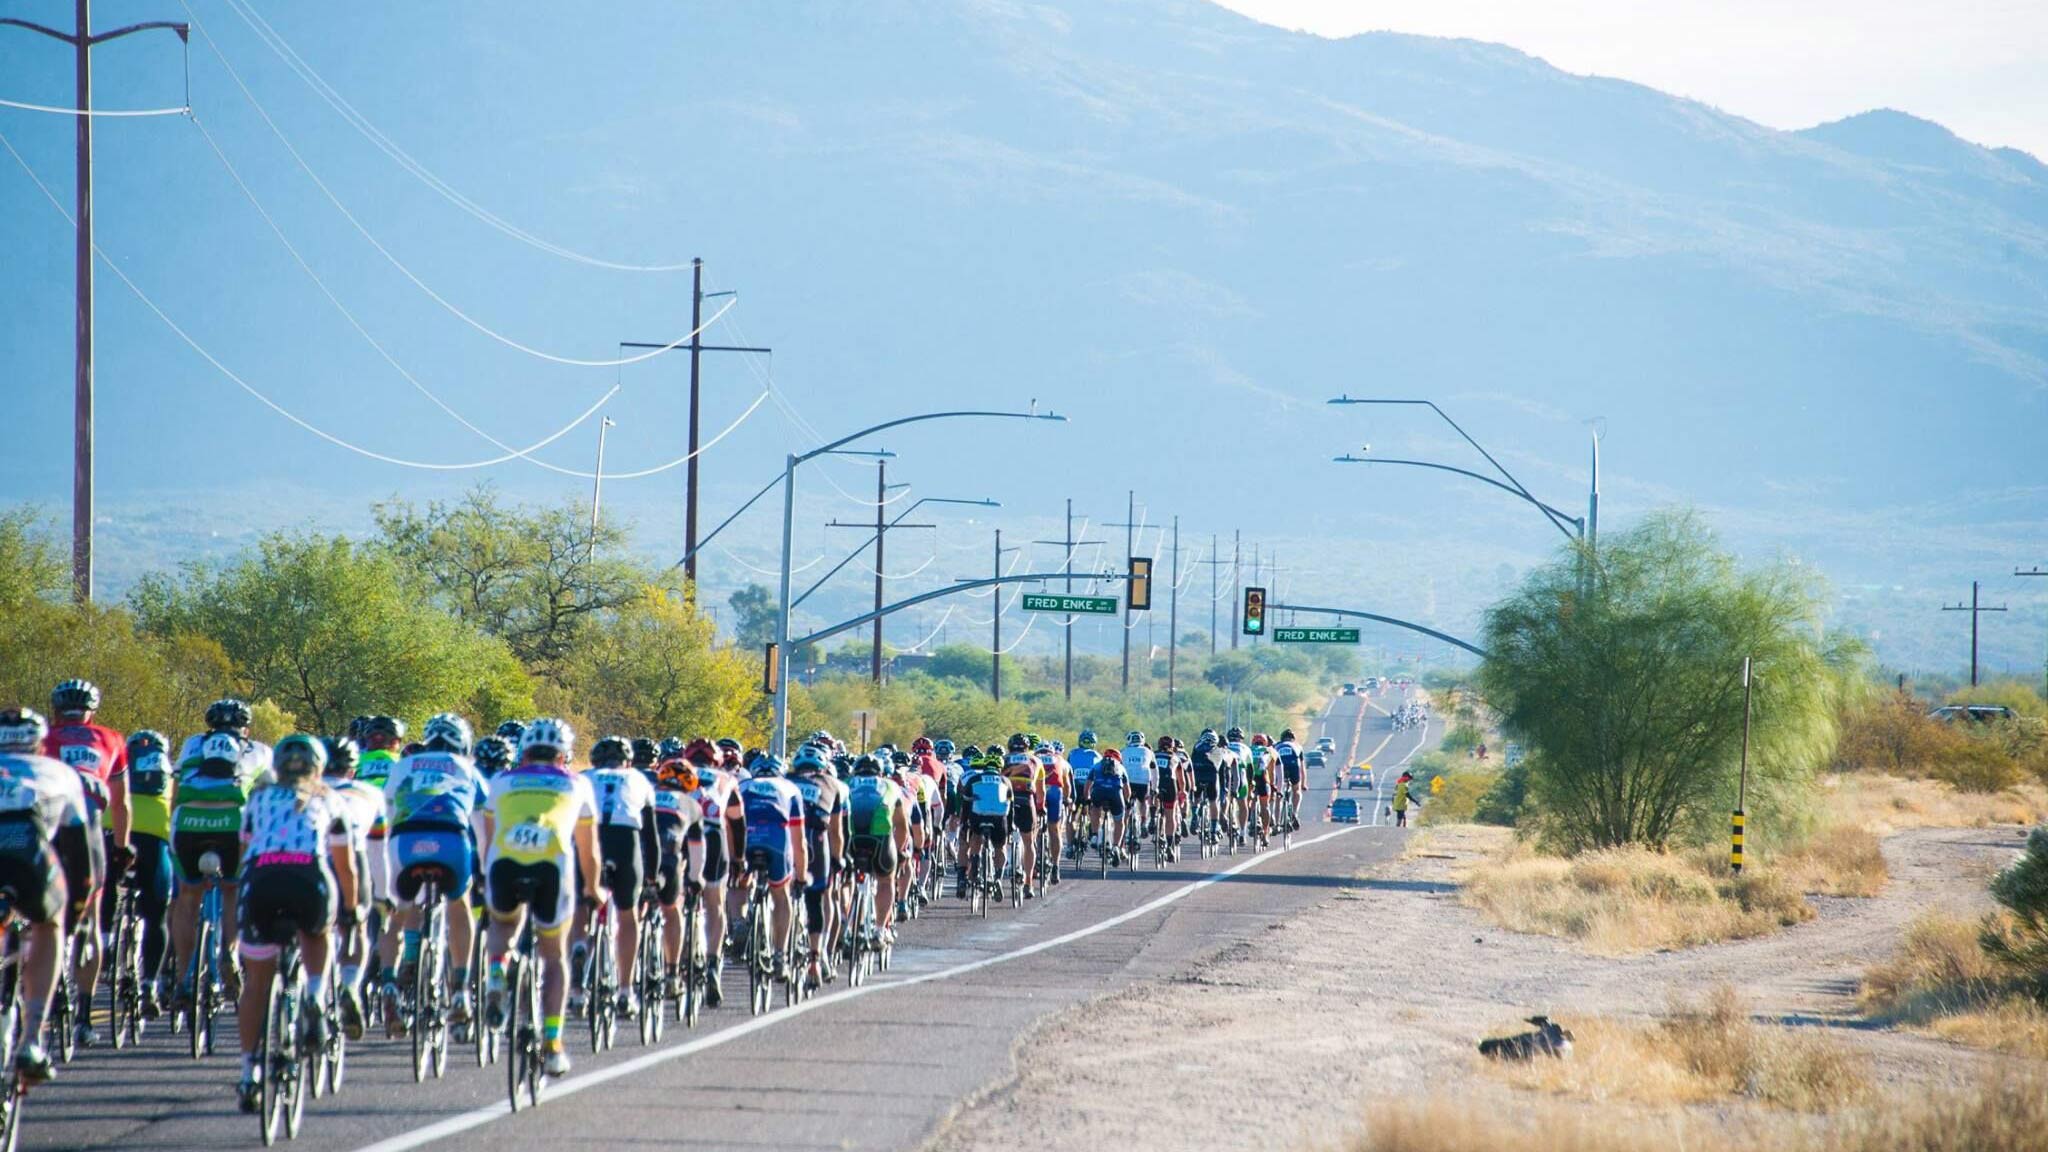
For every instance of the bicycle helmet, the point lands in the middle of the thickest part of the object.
(669, 748)
(1059, 747)
(511, 731)
(899, 758)
(298, 756)
(765, 765)
(1287, 733)
(1112, 755)
(75, 696)
(493, 755)
(1086, 739)
(1235, 735)
(970, 754)
(677, 774)
(808, 759)
(921, 745)
(384, 730)
(447, 732)
(943, 749)
(342, 755)
(227, 713)
(548, 733)
(22, 730)
(822, 738)
(991, 760)
(146, 741)
(1020, 743)
(1133, 737)
(867, 766)
(1260, 740)
(359, 729)
(610, 752)
(645, 754)
(1031, 738)
(1166, 743)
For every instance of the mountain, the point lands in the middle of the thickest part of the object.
(1181, 228)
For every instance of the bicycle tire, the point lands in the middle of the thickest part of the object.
(516, 1054)
(295, 1064)
(270, 1100)
(60, 1016)
(536, 1072)
(758, 992)
(201, 1008)
(694, 965)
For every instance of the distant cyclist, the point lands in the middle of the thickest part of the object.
(43, 855)
(100, 757)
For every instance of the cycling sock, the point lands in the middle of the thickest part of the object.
(409, 952)
(316, 985)
(551, 1029)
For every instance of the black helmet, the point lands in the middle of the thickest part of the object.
(359, 729)
(389, 728)
(146, 741)
(644, 752)
(669, 748)
(1235, 735)
(342, 754)
(971, 753)
(493, 755)
(610, 751)
(1287, 733)
(227, 713)
(510, 732)
(867, 766)
(1019, 744)
(75, 696)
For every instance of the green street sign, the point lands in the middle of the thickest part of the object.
(1315, 635)
(1083, 605)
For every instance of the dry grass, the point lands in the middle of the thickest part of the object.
(2006, 1112)
(1839, 860)
(1625, 900)
(1885, 804)
(1940, 981)
(1698, 1054)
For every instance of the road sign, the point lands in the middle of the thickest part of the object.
(1254, 611)
(1315, 635)
(1082, 605)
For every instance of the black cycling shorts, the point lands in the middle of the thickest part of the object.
(995, 829)
(279, 901)
(714, 855)
(1024, 816)
(1262, 786)
(30, 870)
(1205, 786)
(1293, 773)
(668, 827)
(874, 855)
(188, 847)
(1169, 792)
(618, 849)
(1139, 792)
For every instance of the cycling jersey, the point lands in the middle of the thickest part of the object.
(362, 806)
(97, 753)
(988, 794)
(1082, 762)
(623, 796)
(1025, 773)
(774, 812)
(43, 790)
(283, 825)
(1250, 758)
(208, 799)
(374, 768)
(432, 788)
(149, 795)
(1110, 776)
(871, 806)
(536, 809)
(1138, 765)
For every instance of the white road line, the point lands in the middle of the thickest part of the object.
(464, 1121)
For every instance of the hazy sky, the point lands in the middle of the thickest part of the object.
(1978, 66)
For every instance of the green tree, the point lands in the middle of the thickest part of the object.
(535, 577)
(1626, 685)
(2022, 889)
(31, 567)
(328, 630)
(754, 616)
(652, 667)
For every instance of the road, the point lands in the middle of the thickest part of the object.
(875, 1068)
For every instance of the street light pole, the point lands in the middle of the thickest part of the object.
(1173, 620)
(1556, 518)
(597, 480)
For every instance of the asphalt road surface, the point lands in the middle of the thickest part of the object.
(876, 1068)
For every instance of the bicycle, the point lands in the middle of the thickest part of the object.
(760, 955)
(696, 966)
(649, 977)
(425, 1005)
(1105, 845)
(524, 1061)
(203, 975)
(600, 976)
(282, 1047)
(64, 1006)
(124, 977)
(10, 1024)
(860, 939)
(483, 1040)
(330, 1062)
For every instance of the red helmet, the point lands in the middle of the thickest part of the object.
(702, 752)
(1112, 754)
(921, 745)
(1261, 740)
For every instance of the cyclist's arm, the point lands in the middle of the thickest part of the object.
(835, 832)
(650, 840)
(800, 840)
(586, 852)
(342, 854)
(902, 827)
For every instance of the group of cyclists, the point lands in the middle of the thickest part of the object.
(340, 865)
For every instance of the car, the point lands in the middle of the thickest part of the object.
(1326, 745)
(1344, 810)
(1351, 689)
(1315, 758)
(1372, 683)
(1359, 777)
(1972, 713)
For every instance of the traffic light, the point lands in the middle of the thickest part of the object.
(771, 667)
(1139, 596)
(1255, 611)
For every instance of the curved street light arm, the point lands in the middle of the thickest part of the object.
(902, 420)
(1548, 513)
(1395, 621)
(850, 556)
(1576, 521)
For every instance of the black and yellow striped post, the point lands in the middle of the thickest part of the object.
(1735, 843)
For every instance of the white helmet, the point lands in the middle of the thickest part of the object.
(548, 732)
(448, 730)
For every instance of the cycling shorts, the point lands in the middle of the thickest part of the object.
(1107, 800)
(618, 849)
(1169, 789)
(1262, 786)
(917, 814)
(875, 855)
(715, 866)
(281, 900)
(995, 829)
(1293, 773)
(1024, 816)
(542, 887)
(668, 828)
(771, 861)
(1055, 802)
(819, 862)
(1139, 792)
(188, 847)
(29, 865)
(423, 849)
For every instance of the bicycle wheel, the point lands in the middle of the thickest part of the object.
(294, 1062)
(517, 1053)
(484, 1040)
(758, 972)
(201, 1023)
(693, 967)
(535, 1070)
(270, 1057)
(652, 979)
(120, 976)
(60, 1016)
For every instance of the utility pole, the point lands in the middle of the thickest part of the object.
(1067, 566)
(1173, 620)
(995, 647)
(880, 528)
(1130, 527)
(1236, 581)
(597, 480)
(1215, 561)
(82, 42)
(1975, 611)
(697, 349)
(2037, 570)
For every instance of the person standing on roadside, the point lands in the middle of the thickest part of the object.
(1402, 799)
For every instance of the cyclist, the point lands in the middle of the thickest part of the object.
(825, 804)
(723, 818)
(1288, 752)
(878, 816)
(679, 827)
(1170, 766)
(1209, 766)
(1237, 779)
(216, 773)
(492, 755)
(150, 772)
(1082, 761)
(1138, 769)
(100, 757)
(540, 822)
(775, 846)
(382, 739)
(988, 798)
(433, 796)
(1109, 795)
(296, 843)
(362, 805)
(1027, 801)
(630, 845)
(1059, 784)
(43, 845)
(1259, 778)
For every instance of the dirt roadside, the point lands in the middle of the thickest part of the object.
(1382, 991)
